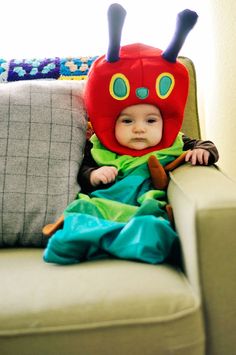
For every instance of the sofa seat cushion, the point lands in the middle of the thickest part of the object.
(101, 307)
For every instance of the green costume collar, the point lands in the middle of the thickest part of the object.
(103, 156)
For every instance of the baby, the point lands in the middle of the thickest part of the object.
(135, 98)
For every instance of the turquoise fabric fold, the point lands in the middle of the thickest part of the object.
(84, 237)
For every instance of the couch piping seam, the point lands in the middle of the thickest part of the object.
(103, 324)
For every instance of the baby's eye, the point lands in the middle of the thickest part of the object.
(151, 120)
(126, 120)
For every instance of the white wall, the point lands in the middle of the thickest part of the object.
(81, 28)
(216, 68)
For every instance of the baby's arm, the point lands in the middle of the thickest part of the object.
(104, 175)
(90, 175)
(200, 151)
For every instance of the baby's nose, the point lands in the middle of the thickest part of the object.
(139, 127)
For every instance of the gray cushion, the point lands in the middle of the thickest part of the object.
(42, 135)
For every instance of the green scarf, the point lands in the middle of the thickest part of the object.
(103, 156)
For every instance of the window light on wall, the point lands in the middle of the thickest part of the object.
(49, 28)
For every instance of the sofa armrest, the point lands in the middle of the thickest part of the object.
(204, 207)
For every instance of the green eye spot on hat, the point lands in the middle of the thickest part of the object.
(164, 85)
(119, 87)
(142, 93)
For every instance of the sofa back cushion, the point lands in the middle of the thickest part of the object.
(42, 135)
(191, 124)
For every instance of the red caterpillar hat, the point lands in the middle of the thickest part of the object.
(138, 74)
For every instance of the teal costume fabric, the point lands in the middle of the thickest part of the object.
(127, 220)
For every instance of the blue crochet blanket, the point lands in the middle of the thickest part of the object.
(69, 68)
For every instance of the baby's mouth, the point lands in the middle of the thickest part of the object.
(139, 139)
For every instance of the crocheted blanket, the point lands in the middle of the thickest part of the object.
(69, 68)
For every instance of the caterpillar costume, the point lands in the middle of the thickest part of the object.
(128, 220)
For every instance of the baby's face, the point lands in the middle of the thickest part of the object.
(139, 126)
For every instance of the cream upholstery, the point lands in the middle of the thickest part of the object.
(96, 308)
(204, 203)
(122, 307)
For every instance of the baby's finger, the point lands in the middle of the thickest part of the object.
(104, 178)
(111, 173)
(188, 155)
(206, 156)
(114, 171)
(199, 155)
(108, 175)
(193, 157)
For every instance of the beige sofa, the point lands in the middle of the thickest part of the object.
(109, 306)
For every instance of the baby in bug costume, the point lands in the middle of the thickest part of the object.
(135, 98)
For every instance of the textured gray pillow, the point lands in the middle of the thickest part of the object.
(42, 135)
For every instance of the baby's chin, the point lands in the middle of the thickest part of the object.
(138, 145)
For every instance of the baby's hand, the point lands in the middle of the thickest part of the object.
(197, 156)
(105, 175)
